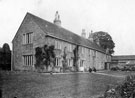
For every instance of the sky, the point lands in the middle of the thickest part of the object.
(117, 17)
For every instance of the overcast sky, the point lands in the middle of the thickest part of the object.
(117, 17)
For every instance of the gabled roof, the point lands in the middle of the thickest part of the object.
(59, 32)
(124, 57)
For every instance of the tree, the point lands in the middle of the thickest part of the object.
(105, 41)
(5, 57)
(6, 48)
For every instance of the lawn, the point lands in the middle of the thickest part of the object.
(41, 85)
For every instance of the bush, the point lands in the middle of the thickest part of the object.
(124, 90)
(127, 89)
(126, 69)
(115, 68)
(133, 68)
(123, 69)
(90, 70)
(94, 69)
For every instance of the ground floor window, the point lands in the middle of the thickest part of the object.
(69, 62)
(28, 60)
(57, 61)
(81, 63)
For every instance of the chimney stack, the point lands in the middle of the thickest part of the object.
(83, 33)
(57, 20)
(91, 36)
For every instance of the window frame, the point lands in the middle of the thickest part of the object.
(28, 60)
(27, 38)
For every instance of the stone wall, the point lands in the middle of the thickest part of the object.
(20, 49)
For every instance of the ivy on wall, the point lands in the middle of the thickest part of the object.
(45, 57)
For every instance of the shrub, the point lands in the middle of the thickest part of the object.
(45, 57)
(94, 69)
(115, 68)
(126, 69)
(133, 68)
(90, 70)
(127, 89)
(124, 90)
(123, 69)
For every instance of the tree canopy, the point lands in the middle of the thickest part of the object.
(105, 41)
(5, 57)
(6, 48)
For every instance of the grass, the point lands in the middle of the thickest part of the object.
(38, 85)
(120, 73)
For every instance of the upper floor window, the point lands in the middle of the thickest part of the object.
(69, 47)
(28, 38)
(93, 53)
(57, 44)
(83, 50)
(89, 52)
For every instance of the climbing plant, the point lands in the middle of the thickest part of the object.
(64, 62)
(45, 57)
(76, 57)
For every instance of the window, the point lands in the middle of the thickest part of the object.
(70, 47)
(83, 50)
(94, 53)
(57, 61)
(89, 52)
(28, 60)
(28, 38)
(67, 45)
(81, 63)
(55, 44)
(69, 61)
(59, 44)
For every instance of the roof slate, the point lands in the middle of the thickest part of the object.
(61, 33)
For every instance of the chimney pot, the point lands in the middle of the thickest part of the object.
(57, 20)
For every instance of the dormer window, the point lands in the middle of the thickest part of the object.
(28, 38)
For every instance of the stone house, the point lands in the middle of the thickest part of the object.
(36, 32)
